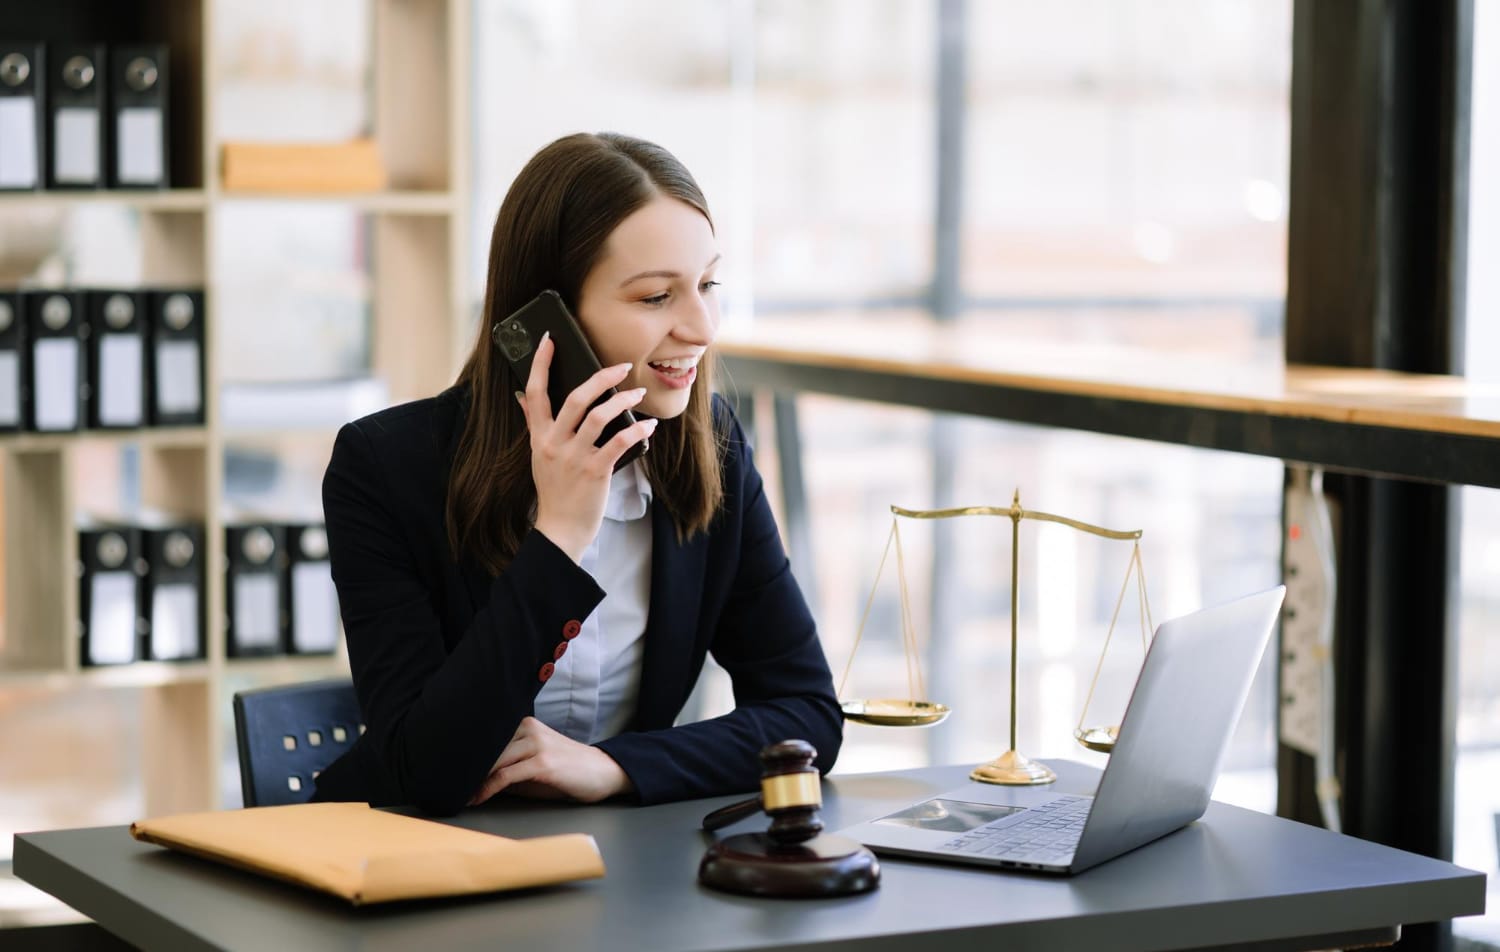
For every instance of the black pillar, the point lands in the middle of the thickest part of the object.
(1375, 277)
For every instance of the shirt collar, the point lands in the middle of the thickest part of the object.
(629, 493)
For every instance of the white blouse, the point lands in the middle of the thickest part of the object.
(592, 692)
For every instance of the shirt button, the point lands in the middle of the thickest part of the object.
(559, 651)
(545, 672)
(571, 630)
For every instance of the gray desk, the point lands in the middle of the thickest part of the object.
(1236, 878)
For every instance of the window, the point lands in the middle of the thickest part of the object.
(1124, 173)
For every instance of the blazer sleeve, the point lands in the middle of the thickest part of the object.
(436, 716)
(765, 638)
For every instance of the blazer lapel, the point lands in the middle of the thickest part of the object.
(671, 622)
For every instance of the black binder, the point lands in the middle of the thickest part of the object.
(109, 572)
(23, 121)
(55, 361)
(117, 359)
(76, 144)
(172, 608)
(13, 388)
(139, 121)
(312, 604)
(176, 365)
(253, 601)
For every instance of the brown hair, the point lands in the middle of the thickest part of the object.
(549, 234)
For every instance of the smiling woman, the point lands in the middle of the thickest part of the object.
(520, 616)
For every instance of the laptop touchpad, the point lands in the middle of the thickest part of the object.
(950, 816)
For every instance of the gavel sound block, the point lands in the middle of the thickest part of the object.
(793, 857)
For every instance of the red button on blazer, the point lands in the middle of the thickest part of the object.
(571, 630)
(545, 673)
(559, 651)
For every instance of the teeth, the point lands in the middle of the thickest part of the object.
(677, 363)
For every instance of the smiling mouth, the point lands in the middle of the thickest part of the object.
(677, 368)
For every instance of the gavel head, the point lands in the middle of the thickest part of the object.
(791, 791)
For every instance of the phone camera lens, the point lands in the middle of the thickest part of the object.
(512, 340)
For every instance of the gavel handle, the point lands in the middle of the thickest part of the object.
(731, 814)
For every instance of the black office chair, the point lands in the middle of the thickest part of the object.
(287, 734)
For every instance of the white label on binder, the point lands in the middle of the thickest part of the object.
(10, 388)
(256, 612)
(75, 153)
(18, 162)
(315, 608)
(112, 618)
(174, 622)
(56, 383)
(177, 386)
(138, 149)
(120, 379)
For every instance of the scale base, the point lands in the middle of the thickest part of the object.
(1013, 769)
(825, 865)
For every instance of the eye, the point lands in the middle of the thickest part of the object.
(708, 286)
(656, 300)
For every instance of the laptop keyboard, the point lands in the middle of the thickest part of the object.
(1046, 834)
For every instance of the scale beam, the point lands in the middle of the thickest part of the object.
(1015, 511)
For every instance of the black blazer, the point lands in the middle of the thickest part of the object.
(446, 658)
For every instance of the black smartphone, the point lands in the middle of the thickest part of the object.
(573, 360)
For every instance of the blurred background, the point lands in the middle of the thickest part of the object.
(1121, 180)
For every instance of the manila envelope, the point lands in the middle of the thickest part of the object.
(369, 856)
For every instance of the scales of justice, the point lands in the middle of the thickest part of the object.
(1011, 767)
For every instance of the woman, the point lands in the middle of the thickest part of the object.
(519, 620)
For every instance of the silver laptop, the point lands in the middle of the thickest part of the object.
(1186, 702)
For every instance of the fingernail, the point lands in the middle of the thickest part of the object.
(651, 423)
(520, 396)
(625, 366)
(545, 335)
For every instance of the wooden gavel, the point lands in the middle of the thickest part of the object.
(790, 793)
(794, 857)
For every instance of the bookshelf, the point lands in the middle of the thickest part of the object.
(419, 55)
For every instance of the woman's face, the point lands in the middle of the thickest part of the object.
(651, 300)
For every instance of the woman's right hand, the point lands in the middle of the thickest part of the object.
(570, 472)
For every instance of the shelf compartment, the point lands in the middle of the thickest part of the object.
(414, 103)
(40, 610)
(174, 481)
(176, 23)
(154, 244)
(173, 245)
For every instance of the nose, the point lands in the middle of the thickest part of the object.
(698, 322)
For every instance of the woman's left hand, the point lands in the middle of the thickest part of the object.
(539, 762)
